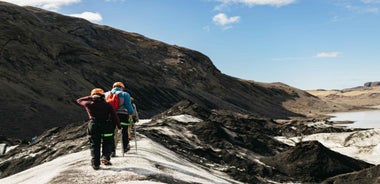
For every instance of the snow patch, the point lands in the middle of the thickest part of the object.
(319, 124)
(11, 148)
(185, 118)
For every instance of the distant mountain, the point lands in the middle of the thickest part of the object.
(47, 60)
(365, 86)
(366, 95)
(372, 84)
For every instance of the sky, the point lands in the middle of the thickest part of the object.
(307, 44)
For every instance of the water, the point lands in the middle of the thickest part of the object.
(362, 119)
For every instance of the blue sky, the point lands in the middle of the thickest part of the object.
(308, 44)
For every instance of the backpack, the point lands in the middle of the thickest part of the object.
(114, 100)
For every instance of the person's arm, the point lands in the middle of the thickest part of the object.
(136, 113)
(83, 100)
(127, 103)
(114, 117)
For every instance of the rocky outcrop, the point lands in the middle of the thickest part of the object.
(372, 84)
(370, 175)
(312, 162)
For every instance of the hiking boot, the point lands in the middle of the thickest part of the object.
(95, 167)
(127, 148)
(113, 154)
(106, 162)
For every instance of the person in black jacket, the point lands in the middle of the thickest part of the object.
(102, 120)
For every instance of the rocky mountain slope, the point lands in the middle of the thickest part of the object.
(47, 60)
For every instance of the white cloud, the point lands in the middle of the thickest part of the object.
(370, 1)
(223, 20)
(341, 18)
(362, 9)
(363, 6)
(327, 55)
(52, 5)
(278, 3)
(227, 27)
(371, 10)
(90, 16)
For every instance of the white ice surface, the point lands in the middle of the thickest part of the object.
(185, 118)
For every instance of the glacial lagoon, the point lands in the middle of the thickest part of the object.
(361, 119)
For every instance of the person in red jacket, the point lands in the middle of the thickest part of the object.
(102, 120)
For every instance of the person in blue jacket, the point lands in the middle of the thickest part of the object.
(124, 111)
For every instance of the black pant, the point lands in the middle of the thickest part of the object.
(100, 134)
(124, 119)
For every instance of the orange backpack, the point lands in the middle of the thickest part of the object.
(114, 100)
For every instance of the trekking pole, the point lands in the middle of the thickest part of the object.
(134, 124)
(134, 135)
(122, 142)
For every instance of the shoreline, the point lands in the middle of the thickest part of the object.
(357, 119)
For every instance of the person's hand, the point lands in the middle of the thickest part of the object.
(135, 120)
(119, 130)
(130, 119)
(95, 97)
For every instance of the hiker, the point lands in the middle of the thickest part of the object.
(101, 125)
(121, 101)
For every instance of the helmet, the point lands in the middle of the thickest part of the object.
(97, 91)
(118, 84)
